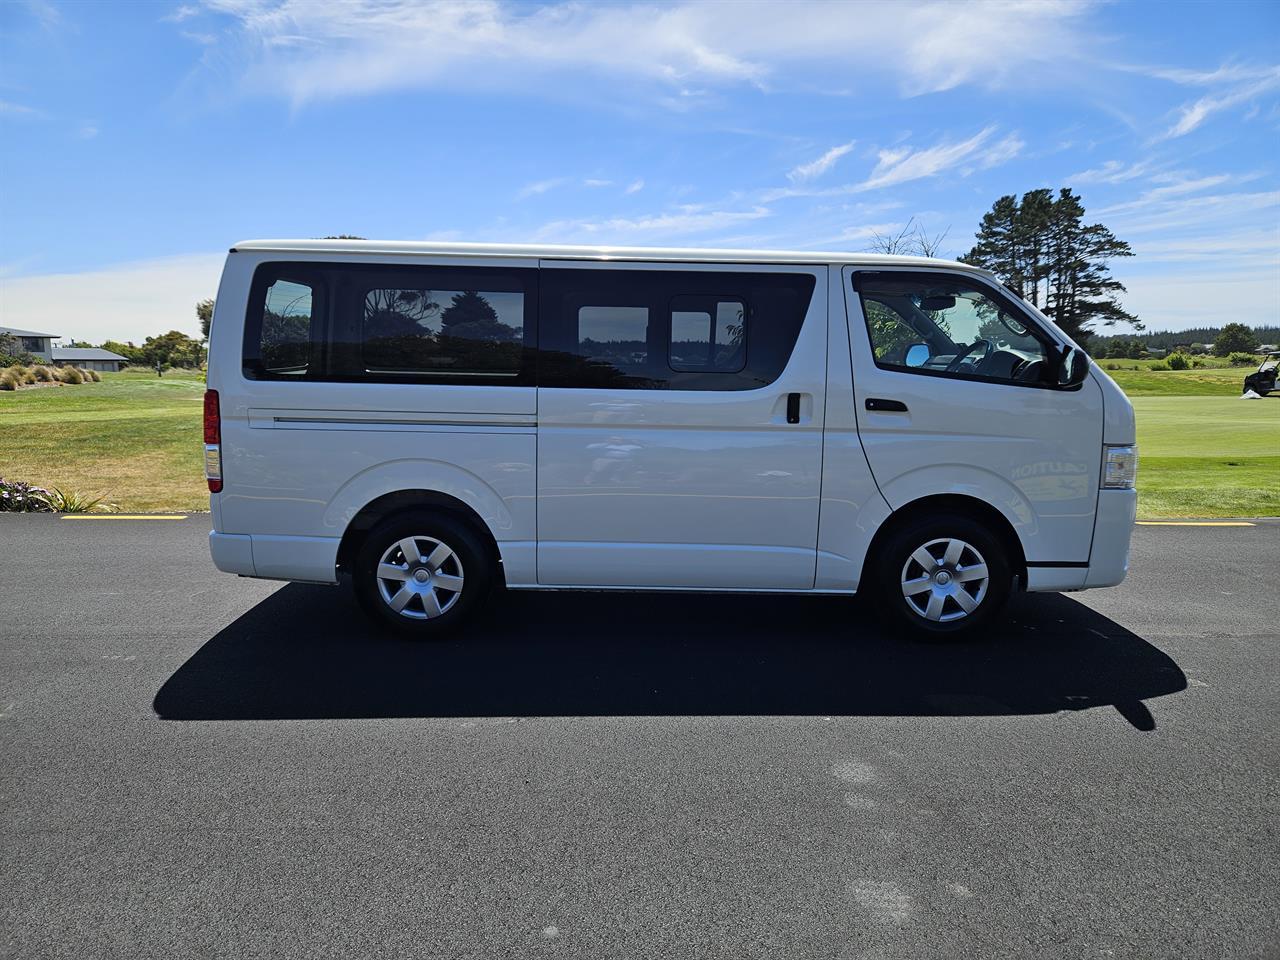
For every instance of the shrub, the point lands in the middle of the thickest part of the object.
(1197, 364)
(1159, 365)
(1112, 366)
(73, 501)
(43, 373)
(8, 380)
(94, 375)
(1179, 361)
(1239, 358)
(19, 497)
(70, 374)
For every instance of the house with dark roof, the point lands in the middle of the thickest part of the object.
(89, 358)
(33, 342)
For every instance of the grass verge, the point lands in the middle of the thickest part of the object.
(135, 437)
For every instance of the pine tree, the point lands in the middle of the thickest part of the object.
(1042, 248)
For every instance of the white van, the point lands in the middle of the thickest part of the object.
(432, 420)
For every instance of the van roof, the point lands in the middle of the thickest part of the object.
(567, 252)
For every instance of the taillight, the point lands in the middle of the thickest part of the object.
(212, 441)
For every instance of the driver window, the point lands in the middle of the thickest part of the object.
(947, 325)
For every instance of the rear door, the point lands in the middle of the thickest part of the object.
(680, 424)
(952, 396)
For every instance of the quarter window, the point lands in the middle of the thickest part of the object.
(285, 335)
(950, 326)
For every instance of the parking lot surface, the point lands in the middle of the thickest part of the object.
(195, 765)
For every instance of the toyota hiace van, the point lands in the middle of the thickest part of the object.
(428, 421)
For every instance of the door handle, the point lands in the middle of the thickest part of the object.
(793, 408)
(886, 406)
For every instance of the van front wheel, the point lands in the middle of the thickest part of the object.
(943, 574)
(421, 573)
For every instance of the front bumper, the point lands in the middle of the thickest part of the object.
(1112, 530)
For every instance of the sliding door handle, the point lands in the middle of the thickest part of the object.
(886, 406)
(793, 408)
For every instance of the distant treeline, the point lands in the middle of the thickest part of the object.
(1167, 340)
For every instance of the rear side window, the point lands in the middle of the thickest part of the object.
(280, 339)
(668, 329)
(442, 331)
(391, 324)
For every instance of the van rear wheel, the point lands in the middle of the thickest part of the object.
(421, 573)
(942, 574)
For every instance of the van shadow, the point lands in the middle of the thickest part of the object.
(307, 652)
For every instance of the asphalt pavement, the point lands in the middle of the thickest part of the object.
(195, 765)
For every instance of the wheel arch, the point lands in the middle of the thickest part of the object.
(404, 501)
(974, 507)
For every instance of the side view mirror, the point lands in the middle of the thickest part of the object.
(917, 355)
(1073, 367)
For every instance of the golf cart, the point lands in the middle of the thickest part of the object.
(1263, 380)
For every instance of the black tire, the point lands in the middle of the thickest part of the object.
(469, 562)
(895, 565)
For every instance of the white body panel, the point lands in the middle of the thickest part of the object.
(683, 488)
(666, 489)
(1032, 453)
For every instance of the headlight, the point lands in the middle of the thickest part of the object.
(1119, 468)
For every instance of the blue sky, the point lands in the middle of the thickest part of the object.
(138, 141)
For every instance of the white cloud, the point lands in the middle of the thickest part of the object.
(902, 164)
(687, 48)
(684, 221)
(595, 184)
(541, 186)
(1236, 85)
(16, 109)
(816, 168)
(635, 186)
(184, 12)
(88, 131)
(1113, 171)
(129, 301)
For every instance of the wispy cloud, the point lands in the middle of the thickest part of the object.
(635, 186)
(17, 109)
(88, 131)
(1232, 86)
(689, 220)
(1113, 171)
(816, 168)
(594, 183)
(687, 48)
(541, 186)
(184, 12)
(902, 164)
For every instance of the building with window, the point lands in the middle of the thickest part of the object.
(39, 345)
(89, 358)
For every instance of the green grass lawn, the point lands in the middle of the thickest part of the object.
(134, 437)
(137, 439)
(1208, 456)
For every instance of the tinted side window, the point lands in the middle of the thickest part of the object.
(668, 329)
(392, 324)
(281, 334)
(708, 333)
(449, 332)
(944, 325)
